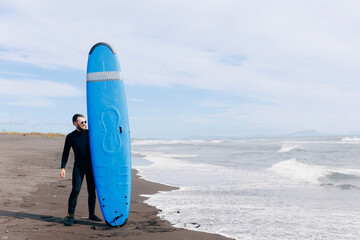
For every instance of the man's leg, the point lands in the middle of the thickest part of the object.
(77, 178)
(92, 195)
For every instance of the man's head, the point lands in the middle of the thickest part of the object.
(79, 122)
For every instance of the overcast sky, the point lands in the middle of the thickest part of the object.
(191, 68)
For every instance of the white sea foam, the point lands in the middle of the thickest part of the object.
(351, 140)
(254, 203)
(344, 140)
(242, 213)
(164, 142)
(204, 209)
(299, 171)
(288, 148)
(309, 173)
(207, 199)
(178, 170)
(157, 142)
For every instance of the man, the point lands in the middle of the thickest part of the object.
(78, 140)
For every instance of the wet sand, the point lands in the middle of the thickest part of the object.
(33, 198)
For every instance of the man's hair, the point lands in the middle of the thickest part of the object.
(75, 117)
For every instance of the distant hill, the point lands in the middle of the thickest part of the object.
(306, 133)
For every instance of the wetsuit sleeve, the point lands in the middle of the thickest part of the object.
(66, 151)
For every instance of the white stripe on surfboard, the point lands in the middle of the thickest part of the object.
(103, 76)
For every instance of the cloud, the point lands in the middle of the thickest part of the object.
(36, 88)
(201, 120)
(34, 93)
(300, 56)
(29, 102)
(280, 46)
(233, 60)
(17, 74)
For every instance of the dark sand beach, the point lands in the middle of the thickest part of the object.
(33, 198)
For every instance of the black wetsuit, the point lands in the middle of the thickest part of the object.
(79, 142)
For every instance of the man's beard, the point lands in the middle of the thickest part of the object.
(80, 129)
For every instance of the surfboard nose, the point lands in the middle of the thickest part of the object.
(102, 58)
(100, 44)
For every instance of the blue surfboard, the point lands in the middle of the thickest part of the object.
(109, 133)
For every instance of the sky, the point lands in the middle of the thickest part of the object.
(191, 68)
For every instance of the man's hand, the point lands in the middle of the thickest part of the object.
(62, 173)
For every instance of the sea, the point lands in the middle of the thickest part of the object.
(256, 188)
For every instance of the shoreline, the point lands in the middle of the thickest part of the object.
(34, 198)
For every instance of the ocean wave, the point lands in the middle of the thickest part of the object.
(180, 170)
(164, 142)
(201, 142)
(315, 174)
(350, 140)
(288, 148)
(156, 155)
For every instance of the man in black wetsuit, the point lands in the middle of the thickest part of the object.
(78, 140)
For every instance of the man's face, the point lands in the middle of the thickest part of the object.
(80, 124)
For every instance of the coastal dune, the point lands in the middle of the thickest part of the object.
(33, 198)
